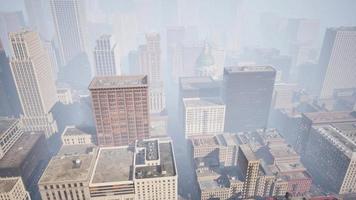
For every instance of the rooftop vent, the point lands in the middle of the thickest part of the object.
(77, 163)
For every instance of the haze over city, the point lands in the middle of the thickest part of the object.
(177, 99)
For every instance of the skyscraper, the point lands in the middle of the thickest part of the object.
(249, 165)
(10, 22)
(150, 63)
(32, 72)
(120, 105)
(38, 13)
(69, 20)
(150, 57)
(106, 57)
(337, 61)
(203, 116)
(247, 92)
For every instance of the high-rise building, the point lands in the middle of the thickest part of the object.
(121, 109)
(247, 93)
(12, 188)
(69, 19)
(203, 116)
(150, 57)
(31, 69)
(106, 57)
(10, 22)
(49, 46)
(249, 165)
(38, 12)
(337, 63)
(330, 156)
(157, 97)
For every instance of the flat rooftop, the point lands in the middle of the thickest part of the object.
(6, 123)
(202, 102)
(197, 82)
(113, 164)
(68, 168)
(290, 167)
(337, 139)
(330, 117)
(247, 151)
(111, 82)
(6, 184)
(283, 151)
(246, 69)
(72, 131)
(227, 139)
(298, 175)
(204, 141)
(78, 149)
(20, 150)
(165, 168)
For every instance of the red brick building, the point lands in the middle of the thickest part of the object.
(121, 111)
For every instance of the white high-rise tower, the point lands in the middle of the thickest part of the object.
(69, 19)
(32, 72)
(337, 60)
(106, 57)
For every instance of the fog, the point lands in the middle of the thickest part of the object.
(189, 50)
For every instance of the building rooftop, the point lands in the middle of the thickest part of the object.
(71, 131)
(6, 184)
(246, 69)
(337, 138)
(6, 123)
(202, 102)
(78, 149)
(204, 140)
(68, 168)
(111, 82)
(298, 175)
(166, 165)
(330, 117)
(296, 166)
(247, 151)
(20, 150)
(197, 82)
(113, 164)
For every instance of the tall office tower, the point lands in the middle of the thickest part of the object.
(31, 68)
(150, 57)
(121, 109)
(49, 46)
(203, 116)
(249, 165)
(11, 130)
(337, 62)
(247, 92)
(157, 97)
(69, 19)
(106, 57)
(38, 12)
(10, 22)
(330, 155)
(12, 188)
(9, 100)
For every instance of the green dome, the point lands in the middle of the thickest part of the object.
(205, 59)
